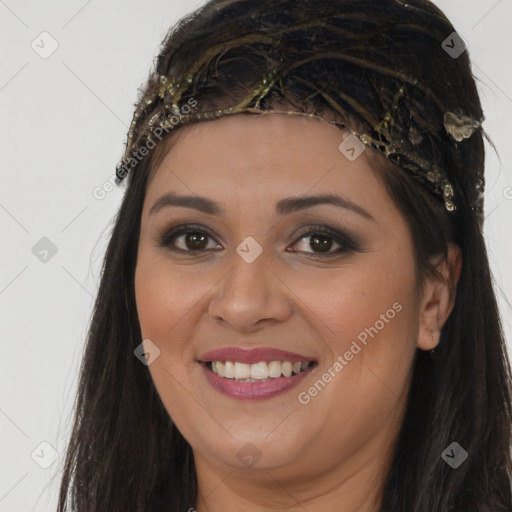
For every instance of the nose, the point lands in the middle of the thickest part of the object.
(250, 296)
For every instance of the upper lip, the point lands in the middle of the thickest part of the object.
(253, 355)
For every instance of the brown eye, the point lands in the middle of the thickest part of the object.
(322, 243)
(195, 240)
(187, 239)
(319, 243)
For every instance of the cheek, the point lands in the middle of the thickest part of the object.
(154, 301)
(165, 307)
(367, 320)
(367, 314)
(165, 301)
(349, 299)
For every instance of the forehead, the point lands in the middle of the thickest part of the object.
(248, 141)
(252, 159)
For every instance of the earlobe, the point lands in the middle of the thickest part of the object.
(438, 298)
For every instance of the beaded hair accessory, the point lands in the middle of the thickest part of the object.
(163, 107)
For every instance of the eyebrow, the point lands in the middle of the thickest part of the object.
(283, 206)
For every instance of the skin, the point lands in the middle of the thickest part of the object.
(332, 453)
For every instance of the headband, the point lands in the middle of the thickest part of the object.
(163, 107)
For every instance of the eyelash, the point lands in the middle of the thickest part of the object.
(347, 245)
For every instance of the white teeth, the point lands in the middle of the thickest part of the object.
(242, 371)
(220, 368)
(229, 370)
(287, 369)
(274, 369)
(257, 371)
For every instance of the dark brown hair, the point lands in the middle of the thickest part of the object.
(125, 452)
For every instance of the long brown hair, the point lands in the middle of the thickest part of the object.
(125, 454)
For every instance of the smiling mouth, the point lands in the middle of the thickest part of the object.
(258, 372)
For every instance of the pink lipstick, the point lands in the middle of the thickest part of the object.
(254, 374)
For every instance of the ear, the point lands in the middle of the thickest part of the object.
(438, 298)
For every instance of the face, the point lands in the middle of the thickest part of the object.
(261, 270)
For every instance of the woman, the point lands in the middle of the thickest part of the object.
(296, 310)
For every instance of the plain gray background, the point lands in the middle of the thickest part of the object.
(63, 122)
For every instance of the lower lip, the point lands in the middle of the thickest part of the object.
(253, 390)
